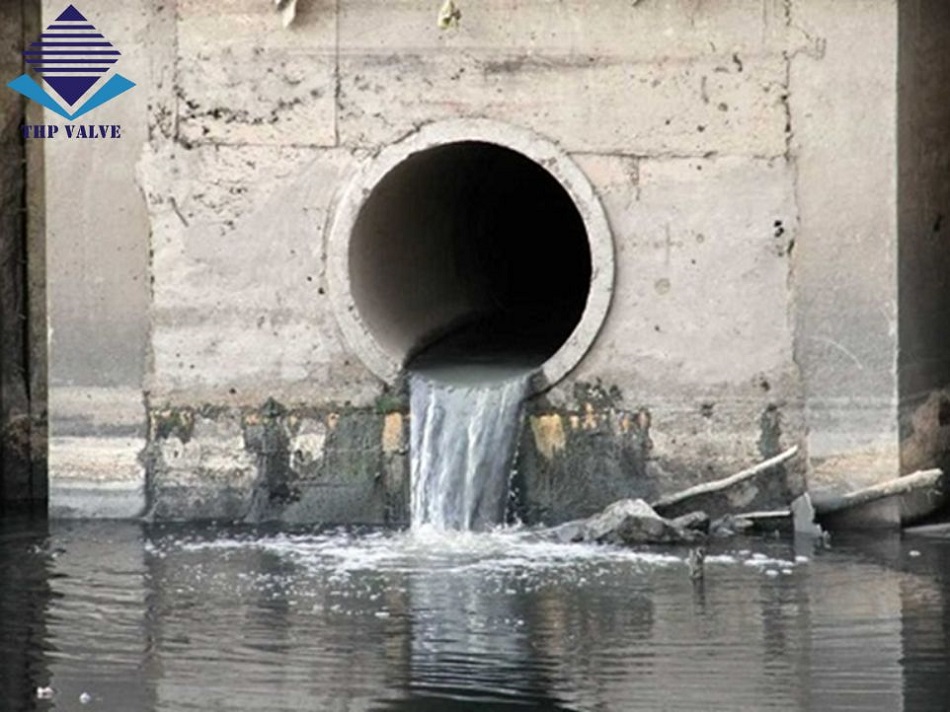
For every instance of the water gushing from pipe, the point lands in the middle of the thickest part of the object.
(463, 441)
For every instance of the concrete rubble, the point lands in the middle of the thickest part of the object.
(629, 522)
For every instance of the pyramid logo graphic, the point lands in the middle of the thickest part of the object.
(72, 57)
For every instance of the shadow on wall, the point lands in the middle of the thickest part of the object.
(23, 477)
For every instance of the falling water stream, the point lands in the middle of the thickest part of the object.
(463, 438)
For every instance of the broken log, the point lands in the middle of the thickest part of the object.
(941, 530)
(732, 524)
(671, 501)
(921, 480)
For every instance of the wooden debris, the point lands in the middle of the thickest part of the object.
(941, 530)
(771, 515)
(695, 561)
(725, 483)
(779, 520)
(921, 480)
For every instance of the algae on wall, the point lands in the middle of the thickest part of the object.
(331, 465)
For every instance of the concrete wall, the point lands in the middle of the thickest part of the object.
(843, 112)
(97, 243)
(744, 154)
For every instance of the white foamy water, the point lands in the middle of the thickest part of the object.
(427, 549)
(463, 438)
(501, 551)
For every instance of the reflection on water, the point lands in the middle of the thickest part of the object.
(192, 618)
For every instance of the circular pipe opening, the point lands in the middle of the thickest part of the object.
(470, 252)
(460, 251)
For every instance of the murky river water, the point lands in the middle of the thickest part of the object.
(180, 619)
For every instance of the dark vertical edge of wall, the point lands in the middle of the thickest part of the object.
(924, 291)
(35, 203)
(907, 20)
(907, 177)
(19, 488)
(14, 399)
(923, 86)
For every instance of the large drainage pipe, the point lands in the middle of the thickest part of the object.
(476, 240)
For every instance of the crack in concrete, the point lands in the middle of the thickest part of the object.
(337, 82)
(786, 105)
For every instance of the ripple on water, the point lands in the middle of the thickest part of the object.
(190, 619)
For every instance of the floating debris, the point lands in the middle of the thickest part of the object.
(696, 562)
(85, 698)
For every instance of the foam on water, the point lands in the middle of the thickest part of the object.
(427, 549)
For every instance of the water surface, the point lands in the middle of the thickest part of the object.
(178, 619)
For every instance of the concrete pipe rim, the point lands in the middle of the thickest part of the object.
(358, 335)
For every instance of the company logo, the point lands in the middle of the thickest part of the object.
(76, 61)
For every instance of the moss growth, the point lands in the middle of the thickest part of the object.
(168, 422)
(599, 396)
(391, 403)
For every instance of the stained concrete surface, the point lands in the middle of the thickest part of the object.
(743, 155)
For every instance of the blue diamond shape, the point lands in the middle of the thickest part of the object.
(71, 55)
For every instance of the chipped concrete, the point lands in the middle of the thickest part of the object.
(393, 434)
(306, 446)
(548, 431)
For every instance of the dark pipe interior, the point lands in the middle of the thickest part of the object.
(470, 252)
